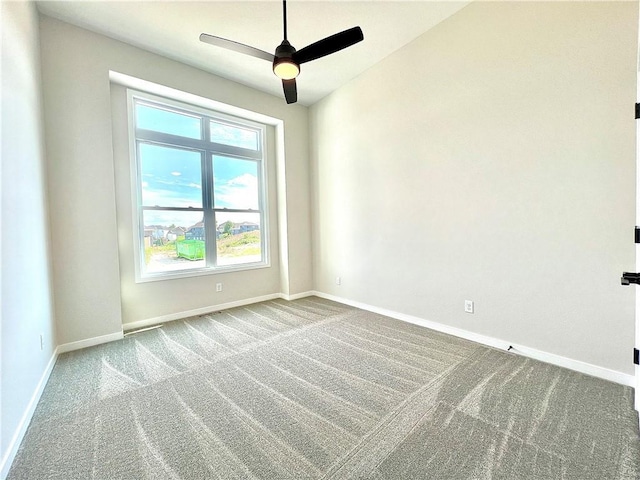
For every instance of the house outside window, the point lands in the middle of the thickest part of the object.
(199, 189)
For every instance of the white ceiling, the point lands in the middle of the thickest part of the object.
(172, 28)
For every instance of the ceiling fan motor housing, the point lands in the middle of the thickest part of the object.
(284, 66)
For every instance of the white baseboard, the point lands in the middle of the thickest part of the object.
(576, 365)
(572, 364)
(296, 296)
(198, 311)
(89, 342)
(15, 442)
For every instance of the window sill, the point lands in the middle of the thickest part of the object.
(200, 272)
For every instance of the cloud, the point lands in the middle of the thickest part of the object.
(246, 180)
(170, 198)
(176, 174)
(239, 192)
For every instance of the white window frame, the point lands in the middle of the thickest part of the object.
(209, 149)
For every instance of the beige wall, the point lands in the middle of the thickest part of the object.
(91, 300)
(26, 301)
(492, 159)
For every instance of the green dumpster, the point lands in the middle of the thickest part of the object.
(190, 249)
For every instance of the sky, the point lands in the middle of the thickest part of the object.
(171, 177)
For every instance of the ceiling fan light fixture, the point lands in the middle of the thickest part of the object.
(286, 61)
(286, 69)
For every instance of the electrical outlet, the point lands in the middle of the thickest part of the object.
(338, 281)
(468, 306)
(218, 287)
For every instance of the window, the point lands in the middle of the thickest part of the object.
(199, 189)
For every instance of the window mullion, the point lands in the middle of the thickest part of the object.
(171, 209)
(211, 253)
(175, 140)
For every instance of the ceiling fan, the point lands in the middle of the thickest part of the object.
(287, 60)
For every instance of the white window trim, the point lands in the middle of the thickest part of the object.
(230, 115)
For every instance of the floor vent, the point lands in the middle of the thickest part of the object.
(139, 330)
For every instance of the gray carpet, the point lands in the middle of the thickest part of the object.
(312, 389)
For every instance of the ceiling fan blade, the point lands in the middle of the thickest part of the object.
(329, 45)
(236, 47)
(290, 90)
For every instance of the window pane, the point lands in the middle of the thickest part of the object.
(170, 177)
(238, 238)
(173, 241)
(234, 136)
(166, 121)
(235, 183)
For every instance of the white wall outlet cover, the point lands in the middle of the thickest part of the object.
(468, 306)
